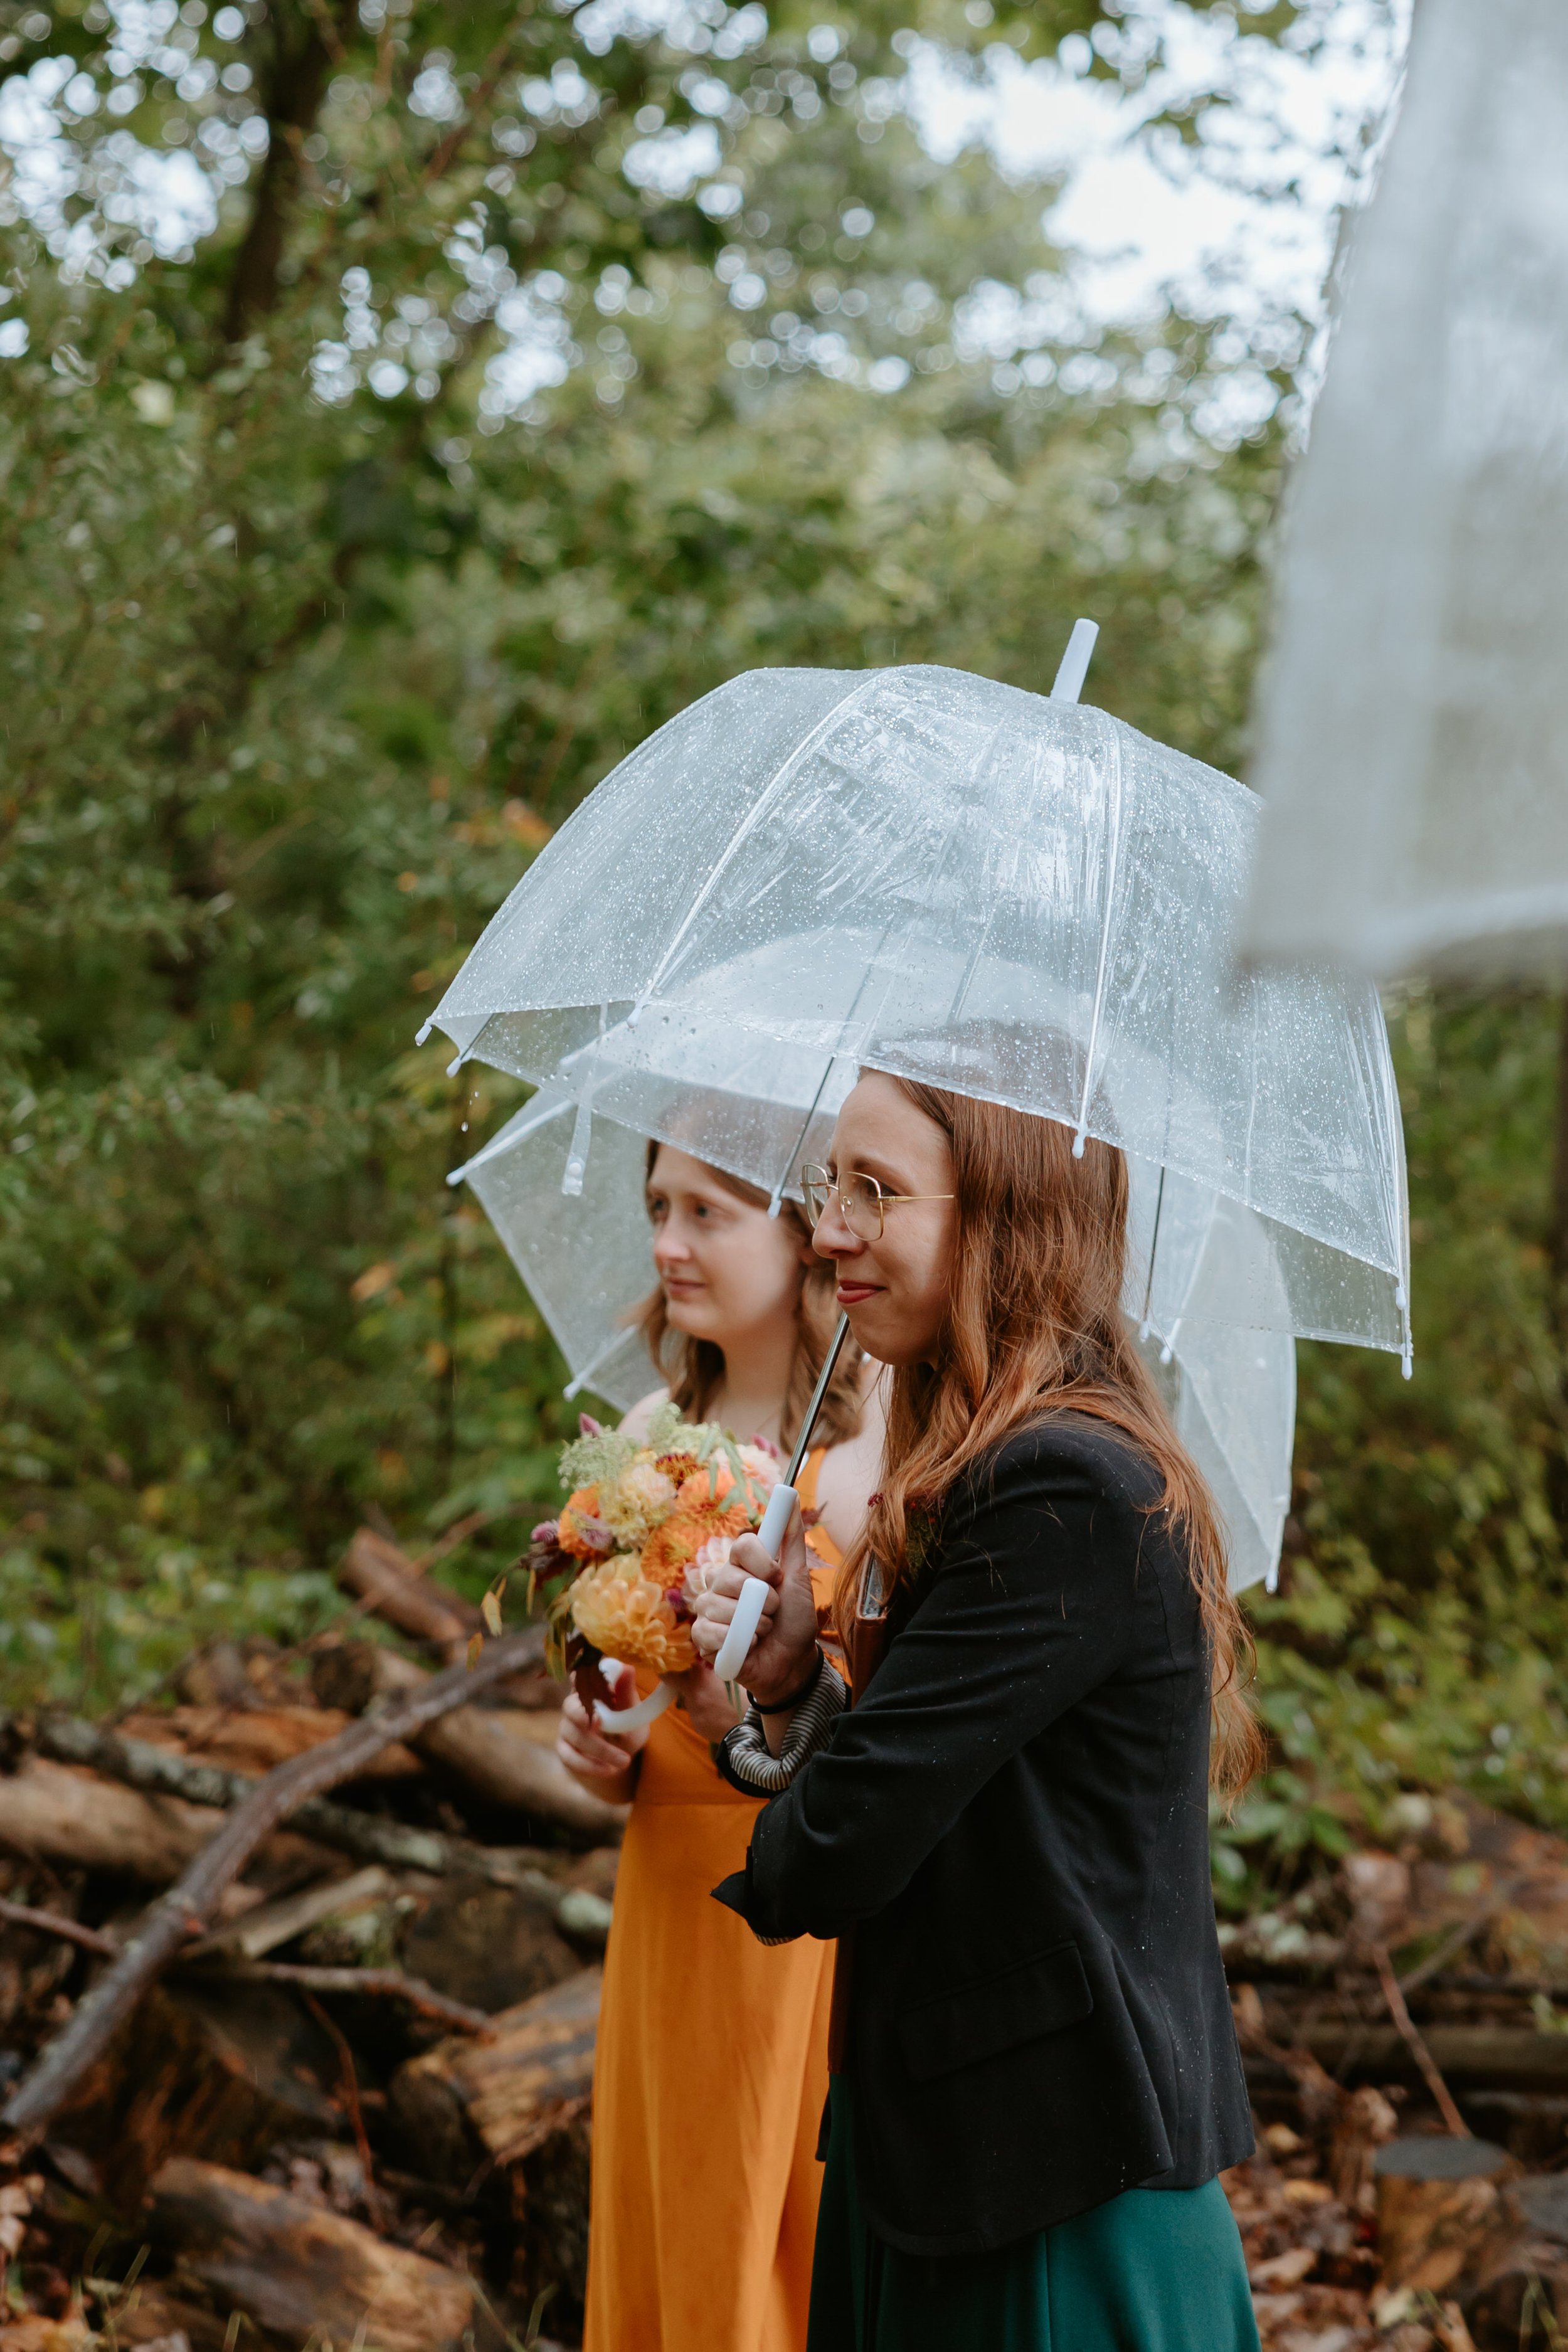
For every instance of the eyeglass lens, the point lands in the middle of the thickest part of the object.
(859, 1201)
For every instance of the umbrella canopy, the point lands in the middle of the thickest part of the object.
(1019, 898)
(1413, 737)
(587, 1259)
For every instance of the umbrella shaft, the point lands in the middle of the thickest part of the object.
(802, 1443)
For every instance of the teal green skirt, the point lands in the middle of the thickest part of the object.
(1155, 2270)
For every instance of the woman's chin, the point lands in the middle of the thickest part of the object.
(692, 1318)
(882, 1333)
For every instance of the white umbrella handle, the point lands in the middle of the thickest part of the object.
(754, 1592)
(632, 1718)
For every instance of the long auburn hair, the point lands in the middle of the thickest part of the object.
(1036, 1328)
(694, 1369)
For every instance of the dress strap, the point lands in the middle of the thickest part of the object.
(810, 1472)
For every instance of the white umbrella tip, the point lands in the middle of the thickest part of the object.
(1075, 661)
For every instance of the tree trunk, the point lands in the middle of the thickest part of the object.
(291, 97)
(1442, 2220)
(257, 1740)
(64, 1813)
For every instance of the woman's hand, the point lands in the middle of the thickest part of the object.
(779, 1659)
(706, 1701)
(602, 1762)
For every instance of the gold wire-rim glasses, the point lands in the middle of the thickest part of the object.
(858, 1195)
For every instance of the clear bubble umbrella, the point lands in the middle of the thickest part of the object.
(586, 1259)
(1011, 895)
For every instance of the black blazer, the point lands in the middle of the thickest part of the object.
(1013, 1819)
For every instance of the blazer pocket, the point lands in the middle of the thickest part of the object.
(1024, 2003)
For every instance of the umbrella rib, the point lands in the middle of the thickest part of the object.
(597, 1361)
(1104, 952)
(807, 743)
(528, 1120)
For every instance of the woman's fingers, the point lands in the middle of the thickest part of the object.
(589, 1752)
(746, 1552)
(715, 1609)
(583, 1743)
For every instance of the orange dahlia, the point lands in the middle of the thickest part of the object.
(672, 1549)
(627, 1616)
(583, 1543)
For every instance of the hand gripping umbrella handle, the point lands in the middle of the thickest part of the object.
(747, 1613)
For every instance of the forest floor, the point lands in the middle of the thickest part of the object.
(353, 2105)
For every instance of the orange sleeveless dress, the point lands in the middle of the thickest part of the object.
(710, 2074)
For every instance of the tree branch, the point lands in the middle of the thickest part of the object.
(187, 1908)
(1410, 2034)
(494, 67)
(423, 1999)
(66, 1931)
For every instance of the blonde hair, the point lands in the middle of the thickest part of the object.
(694, 1369)
(1036, 1328)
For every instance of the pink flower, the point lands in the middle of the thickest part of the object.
(710, 1557)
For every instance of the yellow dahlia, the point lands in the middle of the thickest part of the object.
(640, 1497)
(625, 1614)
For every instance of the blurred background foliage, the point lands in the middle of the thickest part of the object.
(403, 408)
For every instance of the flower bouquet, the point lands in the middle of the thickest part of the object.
(646, 1522)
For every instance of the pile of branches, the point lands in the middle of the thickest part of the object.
(299, 1985)
(1408, 2065)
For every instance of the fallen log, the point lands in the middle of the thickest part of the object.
(65, 1814)
(1479, 2057)
(257, 1740)
(506, 1755)
(300, 2273)
(259, 1931)
(507, 2095)
(208, 2067)
(491, 1947)
(379, 1573)
(164, 1773)
(188, 1908)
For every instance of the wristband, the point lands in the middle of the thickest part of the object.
(784, 1706)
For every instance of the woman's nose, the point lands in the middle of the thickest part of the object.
(670, 1248)
(833, 1237)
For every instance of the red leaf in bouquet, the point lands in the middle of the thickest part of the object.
(585, 1666)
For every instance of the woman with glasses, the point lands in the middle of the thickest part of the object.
(711, 2072)
(1037, 2082)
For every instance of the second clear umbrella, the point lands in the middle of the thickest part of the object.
(586, 1259)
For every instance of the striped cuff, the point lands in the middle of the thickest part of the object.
(745, 1756)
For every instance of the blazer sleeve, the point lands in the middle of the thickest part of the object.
(1028, 1610)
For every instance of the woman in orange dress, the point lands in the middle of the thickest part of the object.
(711, 2067)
